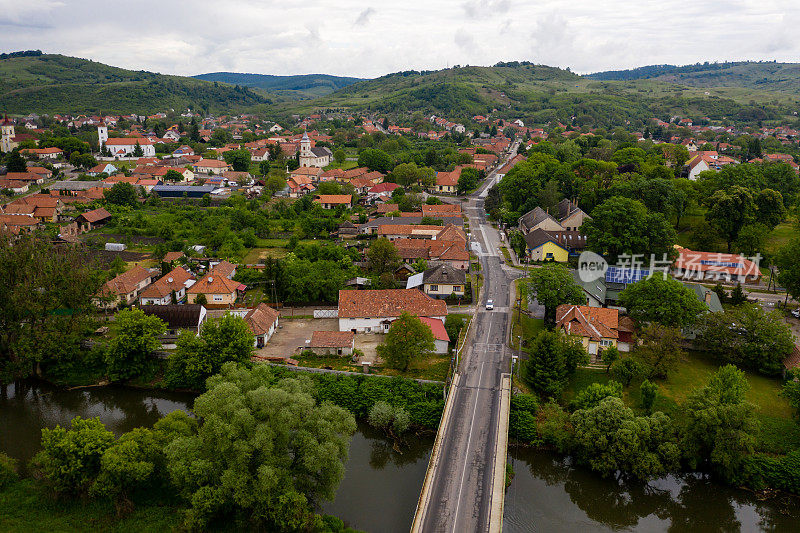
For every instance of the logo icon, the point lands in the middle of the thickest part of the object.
(591, 267)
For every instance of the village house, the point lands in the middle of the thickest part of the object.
(125, 288)
(100, 168)
(709, 266)
(447, 182)
(93, 219)
(444, 281)
(541, 246)
(332, 201)
(28, 177)
(44, 153)
(217, 286)
(332, 342)
(172, 285)
(596, 327)
(568, 217)
(262, 321)
(373, 311)
(441, 340)
(177, 318)
(210, 166)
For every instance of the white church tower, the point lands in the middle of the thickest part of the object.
(102, 134)
(7, 135)
(306, 155)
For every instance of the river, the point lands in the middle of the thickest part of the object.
(380, 488)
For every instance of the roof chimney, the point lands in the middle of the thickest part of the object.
(210, 279)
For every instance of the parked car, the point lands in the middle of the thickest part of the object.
(796, 313)
(489, 305)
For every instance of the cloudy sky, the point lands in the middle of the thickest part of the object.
(371, 38)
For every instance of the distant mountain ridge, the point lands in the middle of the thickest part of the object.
(762, 75)
(309, 85)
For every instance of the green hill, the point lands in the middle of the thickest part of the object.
(541, 94)
(52, 83)
(304, 85)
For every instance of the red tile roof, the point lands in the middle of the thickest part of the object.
(388, 303)
(332, 339)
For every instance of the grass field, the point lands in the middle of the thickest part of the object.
(779, 430)
(528, 328)
(254, 255)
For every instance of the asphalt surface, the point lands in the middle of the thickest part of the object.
(461, 488)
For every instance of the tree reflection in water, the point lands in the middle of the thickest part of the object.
(677, 503)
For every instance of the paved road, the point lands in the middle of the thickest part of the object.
(461, 489)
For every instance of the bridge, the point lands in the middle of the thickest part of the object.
(464, 485)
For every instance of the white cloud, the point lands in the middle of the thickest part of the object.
(354, 39)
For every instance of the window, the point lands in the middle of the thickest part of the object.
(457, 288)
(605, 342)
(434, 288)
(217, 298)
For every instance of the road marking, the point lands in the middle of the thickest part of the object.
(466, 455)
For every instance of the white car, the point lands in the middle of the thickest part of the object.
(796, 313)
(489, 305)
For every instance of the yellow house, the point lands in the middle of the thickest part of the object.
(218, 290)
(541, 246)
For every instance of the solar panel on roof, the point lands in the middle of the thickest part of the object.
(625, 275)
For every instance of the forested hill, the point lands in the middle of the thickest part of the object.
(541, 94)
(52, 83)
(306, 85)
(761, 75)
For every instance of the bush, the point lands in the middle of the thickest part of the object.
(8, 470)
(70, 458)
(392, 420)
(592, 395)
(761, 472)
(553, 426)
(522, 418)
(626, 370)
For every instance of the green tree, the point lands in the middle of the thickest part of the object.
(660, 349)
(264, 449)
(274, 184)
(729, 210)
(789, 267)
(553, 285)
(609, 356)
(195, 358)
(553, 358)
(770, 209)
(663, 301)
(624, 226)
(70, 459)
(136, 337)
(339, 156)
(122, 193)
(747, 336)
(43, 303)
(721, 426)
(467, 180)
(522, 418)
(453, 325)
(648, 392)
(382, 257)
(15, 162)
(134, 462)
(626, 370)
(611, 438)
(393, 420)
(791, 391)
(406, 174)
(238, 159)
(173, 175)
(137, 150)
(375, 159)
(751, 239)
(408, 340)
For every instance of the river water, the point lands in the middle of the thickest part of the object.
(380, 489)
